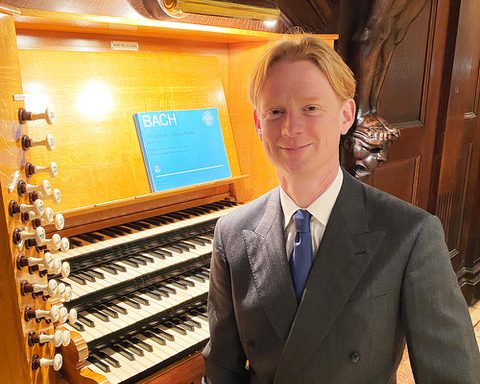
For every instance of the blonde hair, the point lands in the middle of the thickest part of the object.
(302, 48)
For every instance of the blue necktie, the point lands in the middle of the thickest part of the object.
(301, 258)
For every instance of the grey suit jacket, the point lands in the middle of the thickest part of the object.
(381, 276)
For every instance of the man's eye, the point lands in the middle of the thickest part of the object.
(310, 108)
(273, 114)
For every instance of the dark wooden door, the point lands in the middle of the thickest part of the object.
(455, 198)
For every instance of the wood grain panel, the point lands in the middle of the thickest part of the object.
(401, 96)
(405, 183)
(16, 355)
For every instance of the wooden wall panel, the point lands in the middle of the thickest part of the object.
(401, 96)
(405, 184)
(458, 152)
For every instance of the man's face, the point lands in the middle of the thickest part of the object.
(299, 119)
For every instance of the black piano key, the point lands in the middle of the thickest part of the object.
(219, 205)
(202, 210)
(162, 220)
(186, 281)
(213, 207)
(153, 221)
(122, 351)
(85, 275)
(172, 247)
(77, 326)
(98, 314)
(109, 359)
(97, 274)
(157, 339)
(131, 263)
(146, 257)
(131, 347)
(139, 299)
(198, 278)
(145, 224)
(205, 238)
(158, 255)
(98, 363)
(117, 231)
(201, 315)
(118, 267)
(118, 308)
(184, 245)
(96, 235)
(108, 311)
(161, 291)
(180, 323)
(75, 242)
(139, 343)
(160, 332)
(123, 229)
(109, 232)
(178, 284)
(87, 238)
(109, 269)
(130, 302)
(139, 260)
(188, 320)
(78, 279)
(152, 293)
(170, 290)
(203, 274)
(180, 215)
(84, 320)
(134, 225)
(197, 240)
(163, 251)
(176, 328)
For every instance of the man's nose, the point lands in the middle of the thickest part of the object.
(291, 125)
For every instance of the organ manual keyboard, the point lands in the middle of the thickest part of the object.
(140, 290)
(104, 281)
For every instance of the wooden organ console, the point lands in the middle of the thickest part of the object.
(102, 280)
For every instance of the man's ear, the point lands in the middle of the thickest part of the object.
(257, 124)
(347, 116)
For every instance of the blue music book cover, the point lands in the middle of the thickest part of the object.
(182, 148)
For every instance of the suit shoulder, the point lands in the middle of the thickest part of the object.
(248, 215)
(382, 205)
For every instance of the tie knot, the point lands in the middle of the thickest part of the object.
(301, 218)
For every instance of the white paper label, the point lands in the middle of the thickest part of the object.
(124, 45)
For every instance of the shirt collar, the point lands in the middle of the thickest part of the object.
(320, 208)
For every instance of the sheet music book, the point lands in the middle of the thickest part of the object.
(182, 147)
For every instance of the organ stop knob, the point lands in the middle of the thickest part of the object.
(53, 314)
(24, 116)
(56, 362)
(60, 337)
(44, 188)
(51, 168)
(38, 208)
(48, 142)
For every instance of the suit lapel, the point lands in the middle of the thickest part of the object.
(268, 263)
(345, 252)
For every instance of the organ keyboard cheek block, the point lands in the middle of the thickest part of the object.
(140, 289)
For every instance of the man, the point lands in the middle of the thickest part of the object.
(374, 271)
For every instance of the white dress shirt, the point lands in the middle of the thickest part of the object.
(320, 210)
